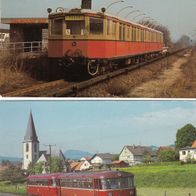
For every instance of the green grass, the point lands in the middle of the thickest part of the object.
(6, 187)
(166, 192)
(170, 175)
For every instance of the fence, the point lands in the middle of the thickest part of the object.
(21, 47)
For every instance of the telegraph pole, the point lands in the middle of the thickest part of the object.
(50, 147)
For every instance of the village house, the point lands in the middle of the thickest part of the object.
(119, 164)
(80, 165)
(101, 159)
(188, 153)
(136, 154)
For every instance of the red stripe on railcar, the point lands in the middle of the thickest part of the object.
(98, 49)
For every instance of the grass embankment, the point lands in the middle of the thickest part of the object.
(168, 179)
(7, 187)
(170, 175)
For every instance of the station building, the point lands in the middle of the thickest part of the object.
(27, 29)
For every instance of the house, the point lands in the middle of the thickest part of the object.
(188, 153)
(101, 159)
(119, 164)
(136, 154)
(80, 166)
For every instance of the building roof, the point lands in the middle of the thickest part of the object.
(24, 20)
(103, 156)
(194, 144)
(140, 150)
(31, 132)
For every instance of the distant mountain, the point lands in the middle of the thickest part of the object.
(76, 154)
(11, 159)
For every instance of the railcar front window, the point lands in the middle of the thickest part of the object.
(117, 183)
(96, 26)
(75, 27)
(57, 27)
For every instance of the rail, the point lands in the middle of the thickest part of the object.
(61, 88)
(21, 47)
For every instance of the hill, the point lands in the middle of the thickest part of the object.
(76, 154)
(11, 159)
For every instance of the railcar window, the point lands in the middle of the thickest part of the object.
(77, 183)
(38, 182)
(117, 183)
(133, 34)
(75, 27)
(114, 28)
(123, 32)
(57, 27)
(120, 32)
(96, 26)
(108, 27)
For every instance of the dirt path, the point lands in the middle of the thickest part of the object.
(162, 86)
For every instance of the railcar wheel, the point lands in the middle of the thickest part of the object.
(92, 68)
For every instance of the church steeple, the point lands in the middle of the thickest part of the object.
(30, 144)
(31, 132)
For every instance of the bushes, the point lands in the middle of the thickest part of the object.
(167, 156)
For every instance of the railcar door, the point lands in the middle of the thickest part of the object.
(96, 187)
(58, 188)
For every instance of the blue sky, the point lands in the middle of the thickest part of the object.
(178, 15)
(94, 126)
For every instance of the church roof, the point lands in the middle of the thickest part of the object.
(31, 132)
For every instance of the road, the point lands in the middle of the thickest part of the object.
(8, 194)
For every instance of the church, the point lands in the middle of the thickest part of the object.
(31, 148)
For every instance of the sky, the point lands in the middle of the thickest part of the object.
(178, 15)
(93, 126)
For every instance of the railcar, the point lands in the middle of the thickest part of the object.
(97, 41)
(104, 183)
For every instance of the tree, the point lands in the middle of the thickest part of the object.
(185, 136)
(167, 155)
(13, 174)
(57, 165)
(36, 168)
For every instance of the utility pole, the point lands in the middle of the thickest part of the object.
(50, 147)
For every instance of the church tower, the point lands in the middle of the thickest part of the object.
(30, 144)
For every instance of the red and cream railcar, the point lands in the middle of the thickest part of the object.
(105, 183)
(96, 39)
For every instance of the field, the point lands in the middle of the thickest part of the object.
(166, 192)
(168, 179)
(6, 187)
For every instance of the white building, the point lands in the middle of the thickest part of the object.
(32, 153)
(102, 159)
(188, 153)
(136, 154)
(30, 144)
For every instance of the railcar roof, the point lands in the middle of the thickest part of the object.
(97, 175)
(100, 174)
(44, 176)
(88, 11)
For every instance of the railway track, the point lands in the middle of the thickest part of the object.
(61, 88)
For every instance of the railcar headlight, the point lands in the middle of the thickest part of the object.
(74, 43)
(131, 192)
